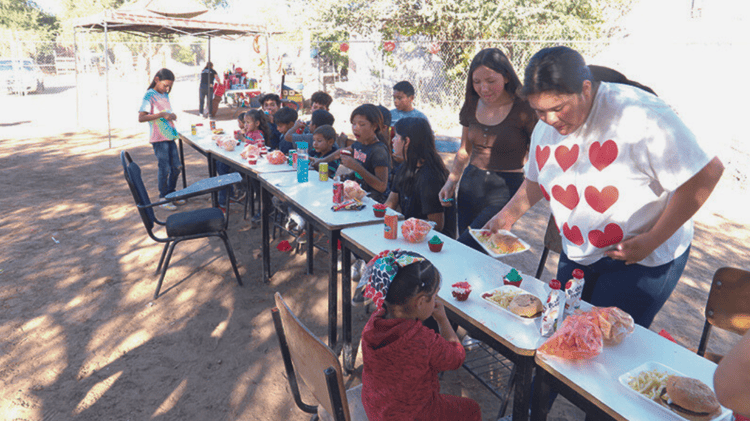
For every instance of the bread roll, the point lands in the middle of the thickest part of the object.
(525, 305)
(692, 398)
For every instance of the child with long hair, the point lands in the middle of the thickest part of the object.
(257, 129)
(157, 111)
(402, 357)
(420, 177)
(369, 156)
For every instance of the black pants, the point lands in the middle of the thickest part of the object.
(481, 195)
(203, 93)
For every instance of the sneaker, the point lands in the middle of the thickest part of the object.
(359, 300)
(180, 202)
(357, 268)
(469, 343)
(168, 206)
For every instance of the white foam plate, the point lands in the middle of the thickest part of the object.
(480, 236)
(510, 288)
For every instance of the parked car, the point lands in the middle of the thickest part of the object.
(20, 76)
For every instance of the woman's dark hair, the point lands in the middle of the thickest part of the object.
(163, 74)
(421, 150)
(605, 74)
(416, 278)
(209, 65)
(497, 61)
(375, 117)
(321, 98)
(327, 131)
(555, 69)
(260, 117)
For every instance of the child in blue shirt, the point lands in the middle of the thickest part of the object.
(324, 144)
(319, 118)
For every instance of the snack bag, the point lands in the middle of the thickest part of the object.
(415, 230)
(614, 324)
(352, 190)
(579, 338)
(276, 157)
(250, 150)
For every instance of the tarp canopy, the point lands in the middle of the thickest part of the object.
(152, 17)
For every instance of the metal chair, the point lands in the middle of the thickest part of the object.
(552, 241)
(181, 226)
(728, 306)
(318, 366)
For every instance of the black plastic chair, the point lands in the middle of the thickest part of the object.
(181, 226)
(552, 242)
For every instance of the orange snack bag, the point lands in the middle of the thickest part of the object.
(276, 157)
(614, 323)
(579, 338)
(415, 230)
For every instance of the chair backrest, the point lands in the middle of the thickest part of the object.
(138, 189)
(552, 239)
(728, 305)
(311, 358)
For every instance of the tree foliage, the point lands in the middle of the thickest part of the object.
(27, 20)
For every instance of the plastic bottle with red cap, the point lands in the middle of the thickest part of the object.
(573, 291)
(554, 307)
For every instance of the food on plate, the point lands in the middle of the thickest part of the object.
(461, 290)
(415, 230)
(504, 244)
(435, 244)
(218, 131)
(690, 398)
(352, 190)
(614, 323)
(276, 158)
(503, 296)
(649, 383)
(512, 278)
(579, 338)
(525, 305)
(379, 210)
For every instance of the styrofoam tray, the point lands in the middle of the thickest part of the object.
(651, 365)
(481, 237)
(510, 288)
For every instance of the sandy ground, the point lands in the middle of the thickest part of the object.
(83, 339)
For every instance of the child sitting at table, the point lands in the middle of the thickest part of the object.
(271, 103)
(291, 137)
(324, 144)
(402, 357)
(256, 129)
(285, 119)
(320, 101)
(369, 157)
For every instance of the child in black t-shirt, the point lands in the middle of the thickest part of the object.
(369, 156)
(422, 174)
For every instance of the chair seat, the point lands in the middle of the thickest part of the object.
(199, 221)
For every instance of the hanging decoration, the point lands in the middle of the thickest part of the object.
(434, 48)
(389, 46)
(344, 47)
(256, 44)
(409, 47)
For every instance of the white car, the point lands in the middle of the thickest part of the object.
(20, 76)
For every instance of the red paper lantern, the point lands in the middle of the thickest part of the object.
(434, 48)
(344, 47)
(389, 46)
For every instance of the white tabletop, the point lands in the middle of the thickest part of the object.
(597, 379)
(316, 197)
(457, 262)
(203, 140)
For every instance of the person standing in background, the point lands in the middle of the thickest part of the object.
(206, 90)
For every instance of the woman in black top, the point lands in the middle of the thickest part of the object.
(420, 177)
(206, 90)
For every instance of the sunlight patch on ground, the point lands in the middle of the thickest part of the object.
(171, 400)
(97, 391)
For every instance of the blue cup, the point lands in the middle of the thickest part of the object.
(302, 170)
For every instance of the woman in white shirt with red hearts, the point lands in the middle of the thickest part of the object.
(624, 177)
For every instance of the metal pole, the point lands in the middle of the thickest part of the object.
(268, 65)
(209, 48)
(75, 61)
(106, 72)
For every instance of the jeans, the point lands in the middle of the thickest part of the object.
(205, 92)
(169, 166)
(481, 195)
(639, 290)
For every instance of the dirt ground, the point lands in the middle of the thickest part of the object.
(83, 339)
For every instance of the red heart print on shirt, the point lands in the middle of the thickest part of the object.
(573, 234)
(567, 196)
(566, 157)
(601, 201)
(612, 235)
(542, 154)
(601, 155)
(544, 192)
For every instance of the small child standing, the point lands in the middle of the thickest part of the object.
(401, 356)
(403, 97)
(324, 144)
(157, 111)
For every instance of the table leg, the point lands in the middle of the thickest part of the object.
(212, 173)
(265, 211)
(182, 163)
(522, 390)
(333, 276)
(350, 353)
(540, 401)
(310, 246)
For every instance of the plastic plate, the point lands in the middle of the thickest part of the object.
(508, 288)
(482, 237)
